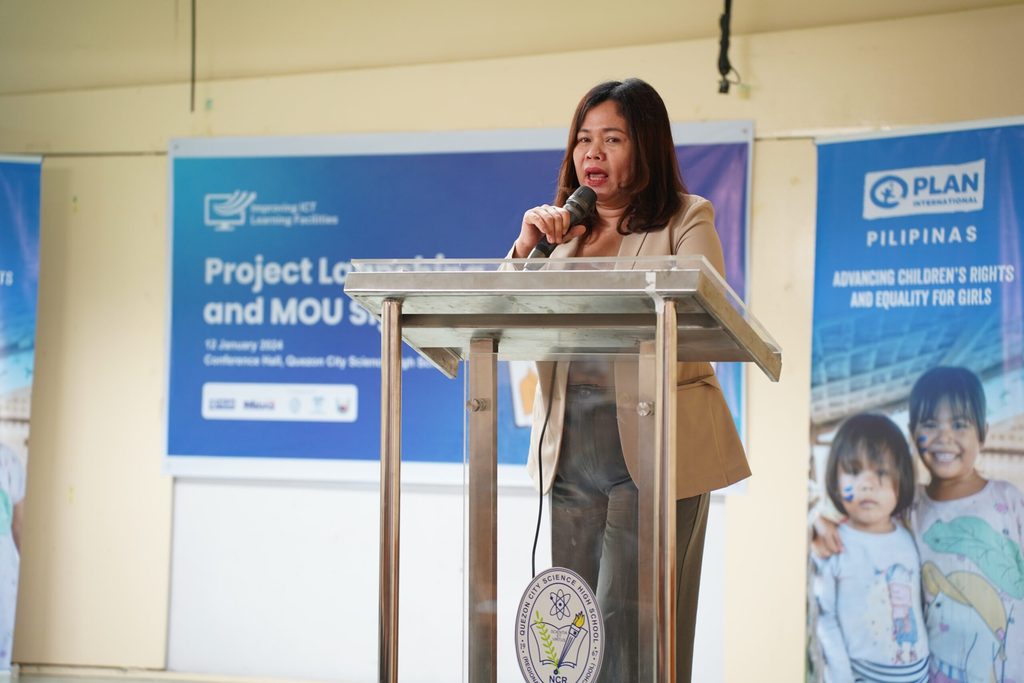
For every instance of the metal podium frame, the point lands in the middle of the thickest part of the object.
(659, 309)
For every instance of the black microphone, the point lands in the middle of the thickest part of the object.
(580, 204)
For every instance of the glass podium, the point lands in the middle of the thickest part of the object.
(642, 316)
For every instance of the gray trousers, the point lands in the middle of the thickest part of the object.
(594, 532)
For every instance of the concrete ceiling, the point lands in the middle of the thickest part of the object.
(48, 45)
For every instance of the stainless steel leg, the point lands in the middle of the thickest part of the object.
(647, 539)
(483, 511)
(390, 485)
(657, 509)
(665, 449)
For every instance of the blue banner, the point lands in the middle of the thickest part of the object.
(270, 360)
(19, 283)
(917, 302)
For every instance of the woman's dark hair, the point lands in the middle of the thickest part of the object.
(959, 386)
(870, 440)
(656, 183)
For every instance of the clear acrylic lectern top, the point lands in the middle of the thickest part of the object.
(586, 311)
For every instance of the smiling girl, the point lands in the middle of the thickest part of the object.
(969, 532)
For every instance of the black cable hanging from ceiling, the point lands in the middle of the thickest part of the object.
(724, 66)
(192, 78)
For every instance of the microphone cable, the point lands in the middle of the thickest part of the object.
(540, 473)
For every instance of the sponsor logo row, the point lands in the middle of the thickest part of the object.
(280, 402)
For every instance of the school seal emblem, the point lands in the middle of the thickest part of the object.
(559, 629)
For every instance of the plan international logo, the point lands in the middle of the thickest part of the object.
(225, 212)
(925, 189)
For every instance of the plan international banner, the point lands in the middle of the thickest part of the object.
(274, 372)
(918, 267)
(19, 281)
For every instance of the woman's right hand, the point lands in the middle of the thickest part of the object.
(549, 222)
(825, 541)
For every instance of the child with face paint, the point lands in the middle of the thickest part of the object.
(969, 532)
(870, 623)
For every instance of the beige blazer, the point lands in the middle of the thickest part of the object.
(709, 454)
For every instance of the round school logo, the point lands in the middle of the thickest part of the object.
(559, 629)
(888, 191)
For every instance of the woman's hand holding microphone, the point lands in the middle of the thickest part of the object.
(545, 226)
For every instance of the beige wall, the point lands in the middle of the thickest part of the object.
(97, 529)
(96, 552)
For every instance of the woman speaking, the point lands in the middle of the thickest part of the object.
(620, 145)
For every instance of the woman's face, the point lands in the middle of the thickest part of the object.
(603, 155)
